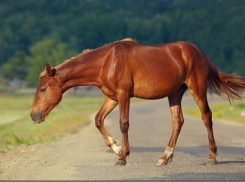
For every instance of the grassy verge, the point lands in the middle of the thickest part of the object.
(223, 111)
(16, 127)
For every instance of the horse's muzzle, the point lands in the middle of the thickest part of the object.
(37, 117)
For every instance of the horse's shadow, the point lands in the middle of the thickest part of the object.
(241, 162)
(226, 154)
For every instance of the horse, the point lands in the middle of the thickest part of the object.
(125, 69)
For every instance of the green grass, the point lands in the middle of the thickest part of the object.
(16, 127)
(235, 112)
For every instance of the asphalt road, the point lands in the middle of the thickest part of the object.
(85, 156)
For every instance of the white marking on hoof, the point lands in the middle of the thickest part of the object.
(168, 152)
(161, 162)
(116, 149)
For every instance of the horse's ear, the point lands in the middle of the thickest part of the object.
(49, 71)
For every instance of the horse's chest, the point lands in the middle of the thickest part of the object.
(108, 92)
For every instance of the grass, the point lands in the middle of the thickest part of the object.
(235, 112)
(16, 127)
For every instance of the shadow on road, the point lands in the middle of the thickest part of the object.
(202, 151)
(232, 162)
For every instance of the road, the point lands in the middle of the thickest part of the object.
(85, 156)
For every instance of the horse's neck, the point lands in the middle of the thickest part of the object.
(79, 72)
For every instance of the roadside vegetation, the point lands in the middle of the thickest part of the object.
(69, 116)
(235, 112)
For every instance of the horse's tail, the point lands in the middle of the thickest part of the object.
(227, 86)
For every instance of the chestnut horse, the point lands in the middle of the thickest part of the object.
(126, 69)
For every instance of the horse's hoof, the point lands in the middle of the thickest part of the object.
(161, 162)
(212, 161)
(120, 163)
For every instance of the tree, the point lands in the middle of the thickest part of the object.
(46, 51)
(16, 67)
(215, 26)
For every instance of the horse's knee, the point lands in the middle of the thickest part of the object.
(124, 125)
(98, 121)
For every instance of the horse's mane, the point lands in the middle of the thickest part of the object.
(87, 51)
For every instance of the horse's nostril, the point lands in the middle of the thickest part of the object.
(33, 117)
(39, 116)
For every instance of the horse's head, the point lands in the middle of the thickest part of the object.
(48, 95)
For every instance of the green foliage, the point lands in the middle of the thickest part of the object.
(16, 67)
(216, 26)
(46, 51)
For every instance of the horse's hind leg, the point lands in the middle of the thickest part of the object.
(107, 107)
(199, 92)
(177, 122)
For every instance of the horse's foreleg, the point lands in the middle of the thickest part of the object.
(177, 122)
(124, 102)
(107, 107)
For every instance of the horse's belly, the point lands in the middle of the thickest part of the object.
(151, 90)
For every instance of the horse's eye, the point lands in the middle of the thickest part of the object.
(42, 89)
